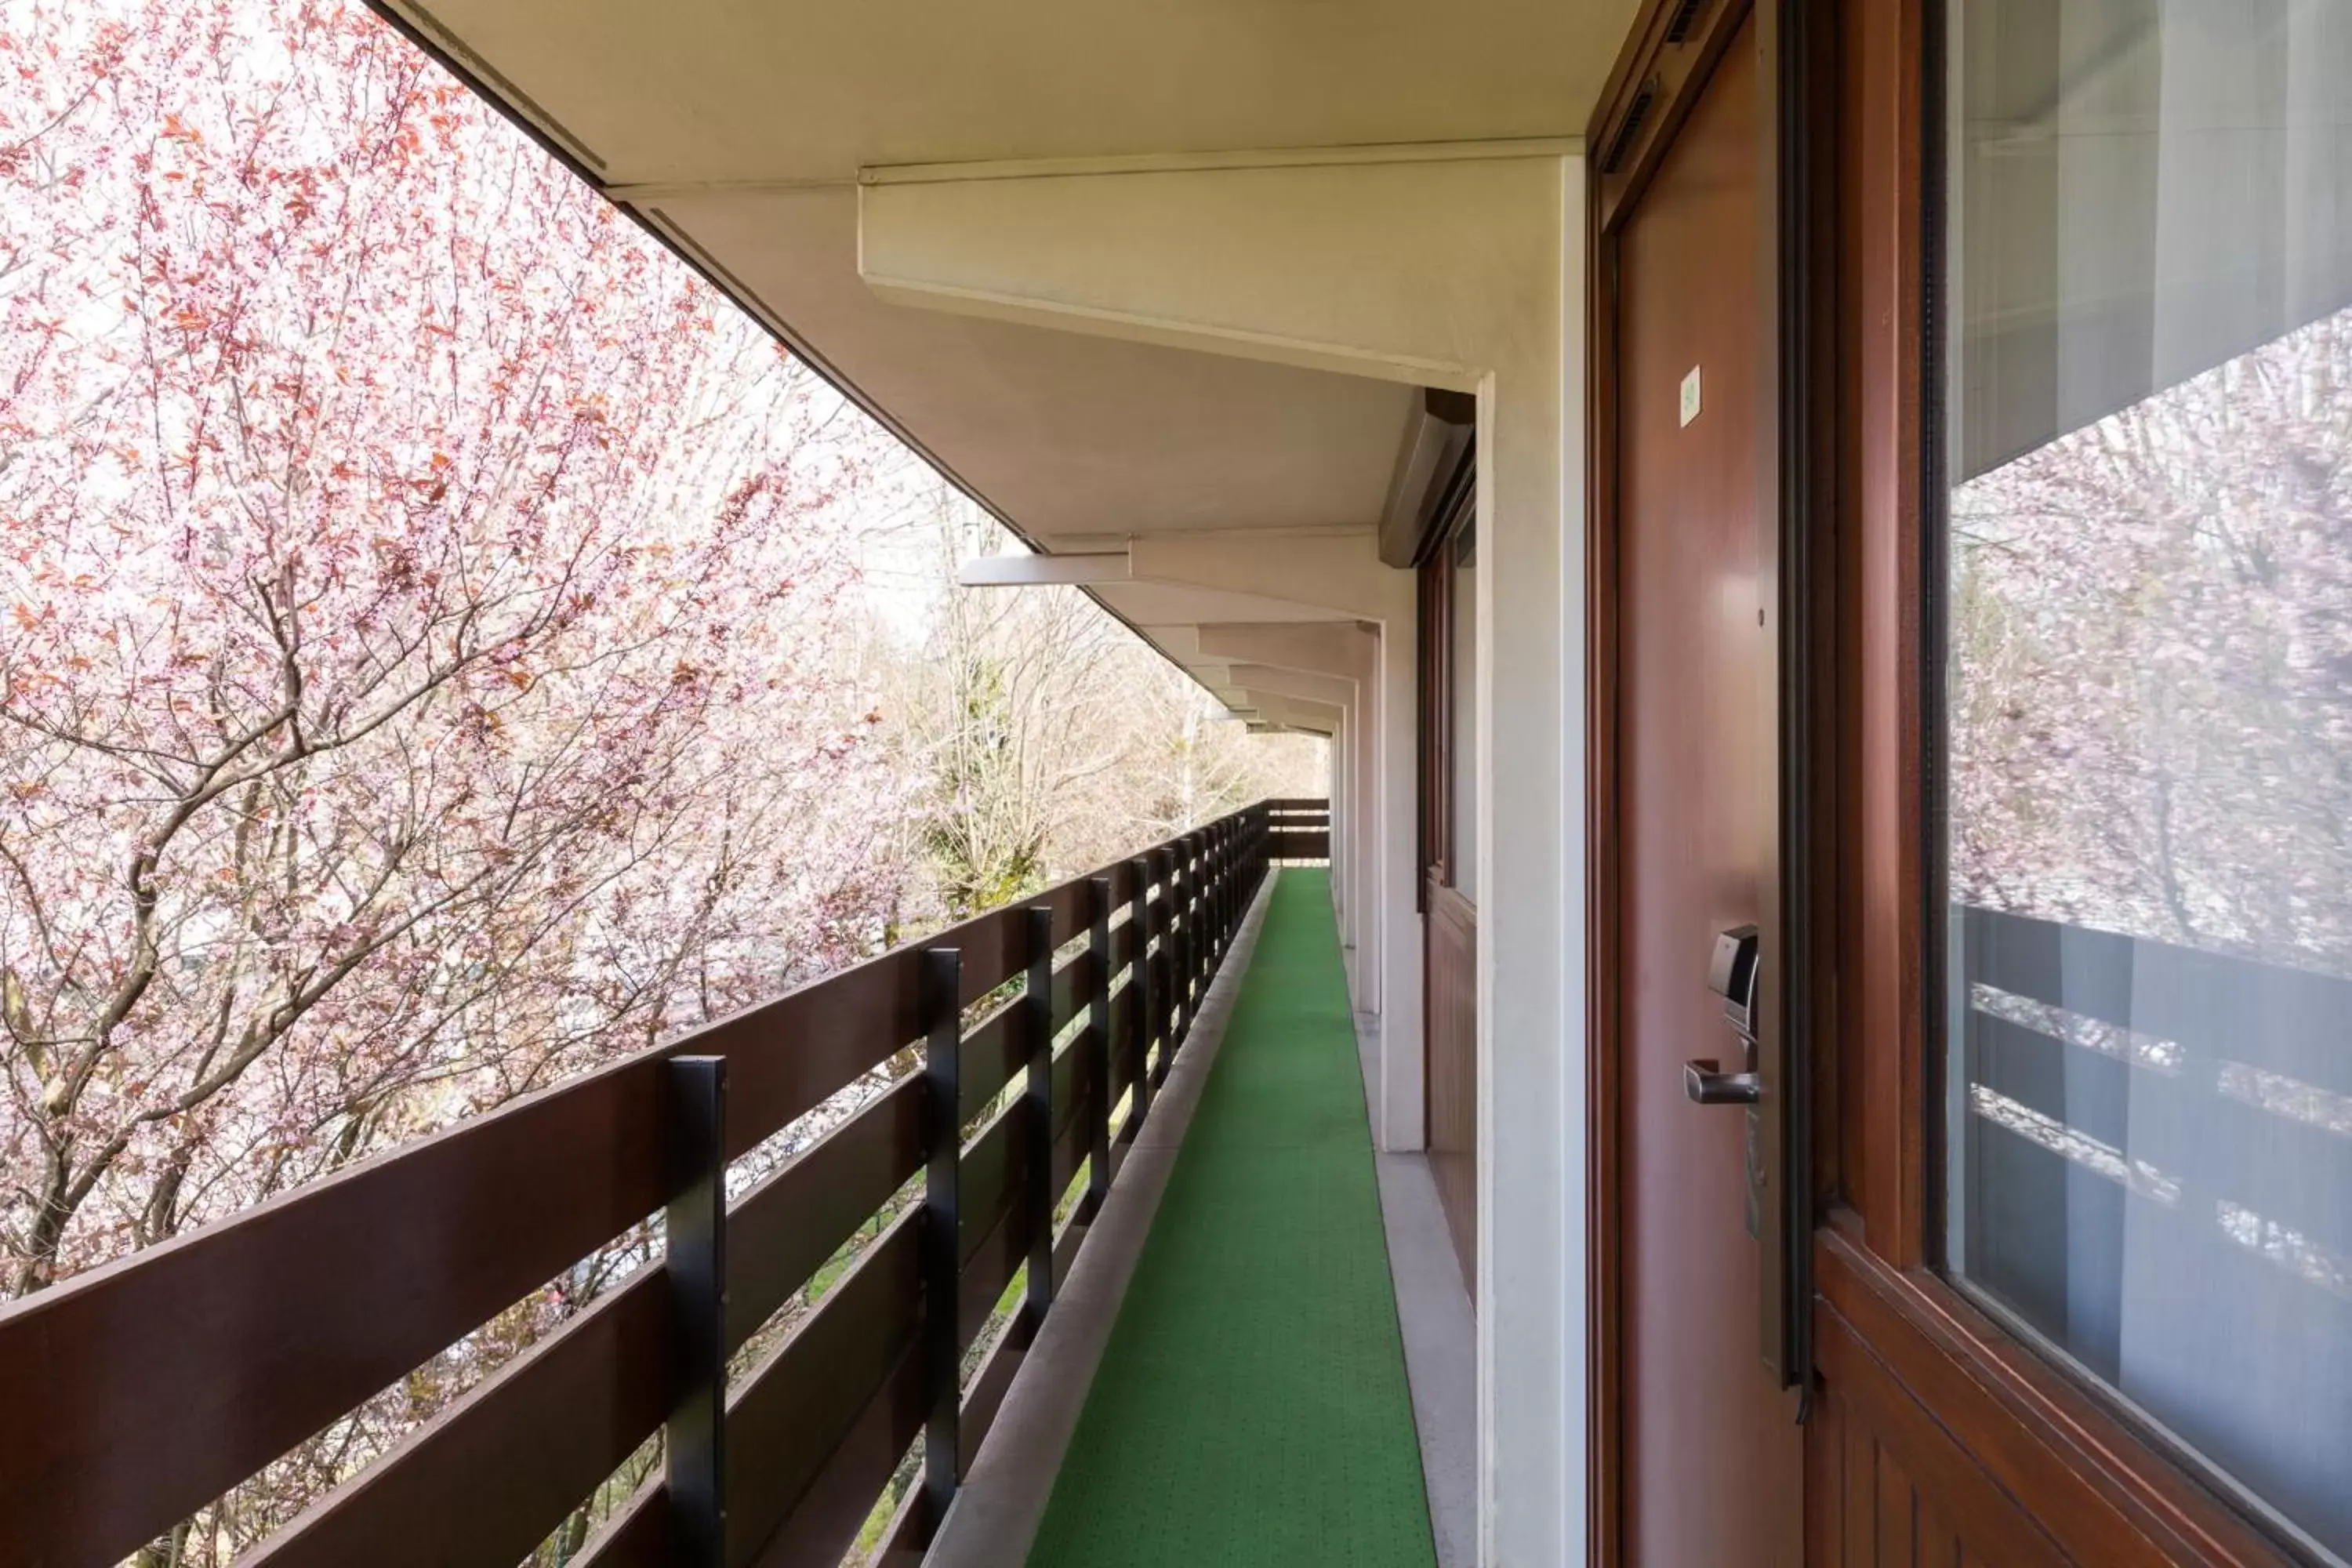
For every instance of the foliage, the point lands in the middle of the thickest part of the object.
(1048, 739)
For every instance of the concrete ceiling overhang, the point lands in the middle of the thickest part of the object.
(739, 133)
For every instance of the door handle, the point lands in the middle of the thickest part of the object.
(1731, 973)
(1704, 1081)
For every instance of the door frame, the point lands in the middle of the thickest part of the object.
(1670, 54)
(2045, 1464)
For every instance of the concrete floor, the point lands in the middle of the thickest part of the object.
(1441, 1346)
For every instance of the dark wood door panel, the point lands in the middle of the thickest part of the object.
(1450, 1048)
(1886, 1484)
(1997, 1439)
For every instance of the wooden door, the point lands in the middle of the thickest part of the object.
(1449, 910)
(1709, 1455)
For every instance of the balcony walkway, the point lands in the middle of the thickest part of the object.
(1252, 1406)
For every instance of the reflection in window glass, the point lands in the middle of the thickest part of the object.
(2149, 761)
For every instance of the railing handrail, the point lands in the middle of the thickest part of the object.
(149, 1387)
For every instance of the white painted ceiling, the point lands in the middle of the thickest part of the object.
(737, 127)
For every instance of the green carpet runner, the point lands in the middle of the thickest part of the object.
(1251, 1407)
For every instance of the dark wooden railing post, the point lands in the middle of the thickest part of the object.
(695, 1225)
(1138, 985)
(1207, 908)
(1225, 901)
(1182, 915)
(1187, 946)
(1037, 1009)
(1098, 1048)
(1213, 894)
(939, 1008)
(1196, 935)
(1241, 869)
(1213, 889)
(1165, 984)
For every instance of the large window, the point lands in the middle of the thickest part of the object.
(2148, 621)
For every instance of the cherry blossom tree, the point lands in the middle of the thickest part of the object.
(416, 590)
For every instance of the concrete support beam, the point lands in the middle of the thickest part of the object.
(1330, 573)
(1338, 691)
(1327, 648)
(1307, 718)
(1413, 269)
(1043, 571)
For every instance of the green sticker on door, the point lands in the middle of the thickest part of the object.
(1690, 395)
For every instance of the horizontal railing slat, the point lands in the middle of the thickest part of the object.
(991, 1055)
(992, 1255)
(1072, 982)
(257, 1332)
(2289, 1171)
(784, 1229)
(2161, 1059)
(1069, 1147)
(635, 1537)
(488, 1480)
(1074, 1082)
(985, 1391)
(792, 1411)
(995, 1161)
(994, 1051)
(988, 1269)
(1065, 1251)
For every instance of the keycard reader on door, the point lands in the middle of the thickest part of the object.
(1731, 973)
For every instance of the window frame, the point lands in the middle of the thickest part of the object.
(1889, 1319)
(2059, 1394)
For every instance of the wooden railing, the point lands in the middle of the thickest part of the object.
(1299, 829)
(139, 1393)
